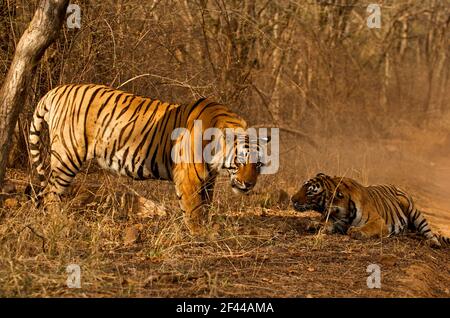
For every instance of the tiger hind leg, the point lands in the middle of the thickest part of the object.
(61, 176)
(433, 242)
(372, 229)
(443, 240)
(421, 226)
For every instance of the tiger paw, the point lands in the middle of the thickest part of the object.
(356, 233)
(313, 226)
(328, 228)
(433, 242)
(215, 229)
(52, 204)
(196, 223)
(195, 229)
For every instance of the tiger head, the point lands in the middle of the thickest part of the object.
(244, 163)
(332, 196)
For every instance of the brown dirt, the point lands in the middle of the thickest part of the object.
(260, 249)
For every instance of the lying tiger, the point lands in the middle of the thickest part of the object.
(363, 212)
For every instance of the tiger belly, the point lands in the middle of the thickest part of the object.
(135, 168)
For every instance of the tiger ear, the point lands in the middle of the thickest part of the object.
(321, 174)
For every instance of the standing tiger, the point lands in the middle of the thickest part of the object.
(132, 135)
(363, 212)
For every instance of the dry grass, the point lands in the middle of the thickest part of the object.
(260, 250)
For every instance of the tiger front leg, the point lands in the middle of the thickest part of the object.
(322, 226)
(326, 226)
(195, 210)
(313, 226)
(334, 227)
(191, 194)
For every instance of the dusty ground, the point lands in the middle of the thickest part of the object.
(261, 249)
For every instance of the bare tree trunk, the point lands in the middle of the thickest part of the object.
(385, 84)
(41, 32)
(404, 35)
(430, 58)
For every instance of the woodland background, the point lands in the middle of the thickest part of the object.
(312, 66)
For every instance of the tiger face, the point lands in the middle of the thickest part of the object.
(243, 177)
(245, 168)
(332, 197)
(311, 196)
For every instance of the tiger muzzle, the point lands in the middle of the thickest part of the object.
(242, 186)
